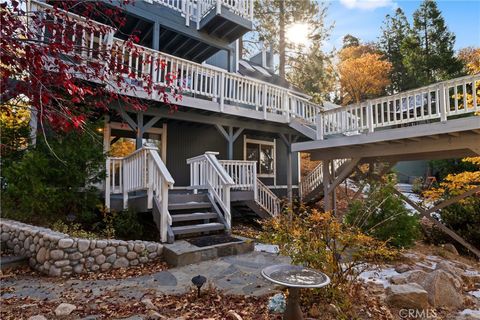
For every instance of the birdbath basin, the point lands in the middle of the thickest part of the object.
(294, 278)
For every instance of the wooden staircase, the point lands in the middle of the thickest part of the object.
(193, 214)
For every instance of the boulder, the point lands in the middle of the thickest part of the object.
(65, 243)
(64, 309)
(56, 254)
(121, 262)
(41, 254)
(416, 276)
(399, 279)
(401, 268)
(450, 248)
(455, 272)
(443, 290)
(83, 245)
(409, 296)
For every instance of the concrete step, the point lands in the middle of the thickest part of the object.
(193, 216)
(197, 228)
(189, 205)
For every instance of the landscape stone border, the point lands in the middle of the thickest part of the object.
(58, 254)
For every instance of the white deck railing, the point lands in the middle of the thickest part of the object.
(314, 178)
(206, 172)
(196, 10)
(142, 67)
(141, 170)
(268, 200)
(439, 101)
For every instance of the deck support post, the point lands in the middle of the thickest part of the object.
(288, 140)
(156, 36)
(139, 133)
(327, 200)
(231, 136)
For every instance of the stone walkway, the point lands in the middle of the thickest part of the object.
(233, 274)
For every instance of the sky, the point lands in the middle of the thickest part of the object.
(363, 19)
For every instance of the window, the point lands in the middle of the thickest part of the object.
(264, 153)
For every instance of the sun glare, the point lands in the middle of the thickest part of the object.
(298, 33)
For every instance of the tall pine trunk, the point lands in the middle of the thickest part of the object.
(281, 45)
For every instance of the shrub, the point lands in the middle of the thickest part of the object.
(318, 240)
(127, 225)
(383, 215)
(73, 229)
(56, 179)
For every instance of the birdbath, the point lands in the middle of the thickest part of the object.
(294, 278)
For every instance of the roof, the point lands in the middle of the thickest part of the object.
(254, 70)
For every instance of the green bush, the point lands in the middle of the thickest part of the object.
(383, 215)
(55, 180)
(127, 225)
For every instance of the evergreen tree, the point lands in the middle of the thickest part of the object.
(273, 18)
(395, 30)
(350, 41)
(428, 50)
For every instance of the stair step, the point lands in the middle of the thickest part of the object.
(188, 205)
(193, 216)
(196, 228)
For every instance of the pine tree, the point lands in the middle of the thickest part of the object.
(395, 30)
(350, 41)
(428, 50)
(273, 18)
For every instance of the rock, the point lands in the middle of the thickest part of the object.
(122, 250)
(450, 248)
(139, 247)
(153, 315)
(96, 252)
(62, 263)
(41, 255)
(131, 255)
(451, 269)
(37, 317)
(443, 290)
(100, 259)
(416, 276)
(152, 255)
(56, 254)
(151, 247)
(134, 262)
(105, 266)
(101, 244)
(65, 243)
(111, 258)
(78, 268)
(399, 279)
(83, 245)
(109, 250)
(143, 259)
(54, 271)
(401, 268)
(149, 304)
(75, 256)
(121, 262)
(64, 309)
(410, 295)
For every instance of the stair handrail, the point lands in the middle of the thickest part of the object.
(267, 199)
(315, 177)
(143, 169)
(206, 172)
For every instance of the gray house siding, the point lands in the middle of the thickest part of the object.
(186, 140)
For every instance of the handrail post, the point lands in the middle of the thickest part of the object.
(320, 126)
(164, 211)
(222, 90)
(198, 14)
(219, 6)
(255, 191)
(370, 117)
(228, 214)
(443, 103)
(149, 181)
(286, 104)
(187, 13)
(107, 185)
(251, 9)
(264, 98)
(124, 184)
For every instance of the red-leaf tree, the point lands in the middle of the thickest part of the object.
(68, 66)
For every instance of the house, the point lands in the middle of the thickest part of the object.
(233, 143)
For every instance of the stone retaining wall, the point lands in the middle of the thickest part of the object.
(58, 254)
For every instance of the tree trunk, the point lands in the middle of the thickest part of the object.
(281, 45)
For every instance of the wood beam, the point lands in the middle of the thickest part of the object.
(349, 168)
(441, 226)
(151, 123)
(139, 131)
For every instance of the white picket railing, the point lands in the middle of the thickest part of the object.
(268, 200)
(196, 10)
(206, 172)
(141, 170)
(435, 102)
(315, 177)
(243, 173)
(142, 66)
